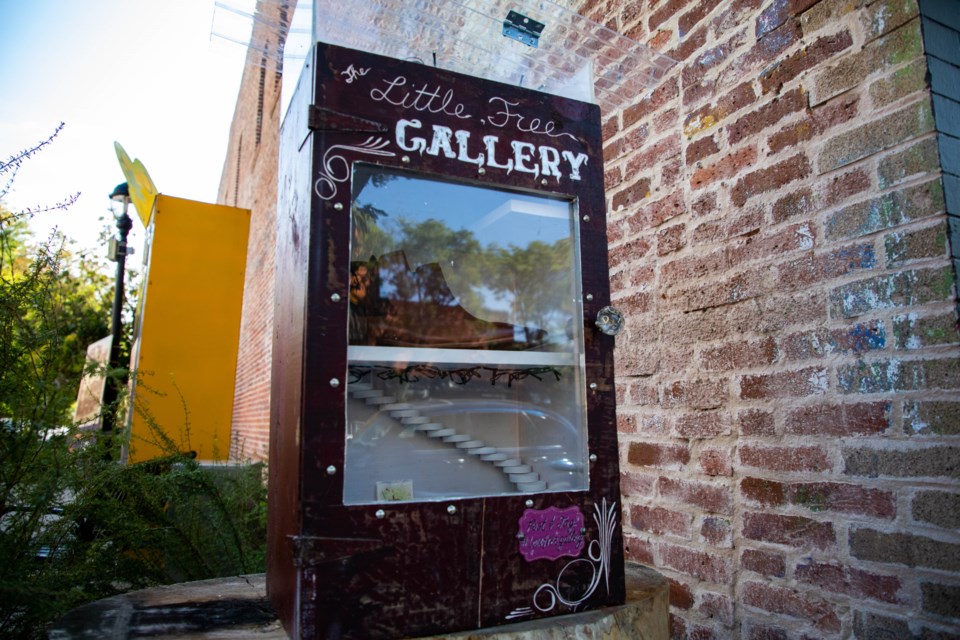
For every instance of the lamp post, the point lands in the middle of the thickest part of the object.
(117, 252)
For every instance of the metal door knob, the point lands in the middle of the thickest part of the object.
(609, 321)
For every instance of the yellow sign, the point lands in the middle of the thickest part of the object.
(142, 190)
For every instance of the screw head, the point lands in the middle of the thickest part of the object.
(481, 171)
(334, 383)
(586, 218)
(380, 513)
(593, 386)
(331, 470)
(335, 297)
(544, 182)
(589, 297)
(451, 509)
(593, 457)
(338, 206)
(529, 504)
(405, 159)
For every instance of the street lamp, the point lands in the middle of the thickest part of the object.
(118, 252)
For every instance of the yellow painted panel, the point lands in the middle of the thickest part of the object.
(189, 329)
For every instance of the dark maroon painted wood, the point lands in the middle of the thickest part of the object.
(338, 571)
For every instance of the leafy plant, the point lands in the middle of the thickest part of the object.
(74, 524)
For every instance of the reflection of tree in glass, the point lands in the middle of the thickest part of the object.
(535, 280)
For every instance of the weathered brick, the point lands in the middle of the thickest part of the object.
(632, 194)
(770, 178)
(850, 581)
(898, 375)
(681, 595)
(857, 338)
(715, 462)
(821, 496)
(664, 13)
(915, 462)
(826, 13)
(785, 458)
(689, 45)
(815, 268)
(778, 13)
(840, 420)
(717, 532)
(852, 69)
(755, 422)
(636, 484)
(800, 203)
(941, 599)
(932, 417)
(724, 168)
(903, 247)
(886, 15)
(794, 531)
(872, 626)
(841, 187)
(629, 251)
(917, 159)
(739, 354)
(904, 548)
(739, 222)
(816, 53)
(637, 550)
(789, 602)
(659, 521)
(663, 456)
(691, 18)
(700, 149)
(654, 154)
(900, 83)
(901, 289)
(703, 424)
(769, 563)
(767, 115)
(736, 288)
(711, 115)
(716, 606)
(940, 508)
(671, 239)
(698, 564)
(714, 498)
(889, 210)
(910, 122)
(811, 381)
(695, 394)
(761, 632)
(657, 212)
(612, 178)
(796, 237)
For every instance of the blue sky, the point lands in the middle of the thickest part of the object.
(141, 72)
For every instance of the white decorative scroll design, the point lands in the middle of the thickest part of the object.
(548, 595)
(335, 168)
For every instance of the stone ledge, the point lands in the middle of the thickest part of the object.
(237, 609)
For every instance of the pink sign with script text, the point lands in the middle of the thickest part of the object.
(551, 533)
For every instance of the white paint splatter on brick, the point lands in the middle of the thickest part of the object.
(806, 236)
(818, 380)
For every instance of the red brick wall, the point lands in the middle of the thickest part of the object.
(249, 180)
(788, 377)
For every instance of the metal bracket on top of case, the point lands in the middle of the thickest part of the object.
(522, 29)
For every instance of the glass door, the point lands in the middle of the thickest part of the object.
(465, 346)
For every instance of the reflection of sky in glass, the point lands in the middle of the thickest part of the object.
(497, 220)
(466, 207)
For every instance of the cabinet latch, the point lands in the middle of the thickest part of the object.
(522, 29)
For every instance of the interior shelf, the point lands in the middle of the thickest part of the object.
(362, 354)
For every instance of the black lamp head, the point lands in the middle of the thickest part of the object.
(121, 192)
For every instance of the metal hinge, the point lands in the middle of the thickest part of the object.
(522, 29)
(319, 119)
